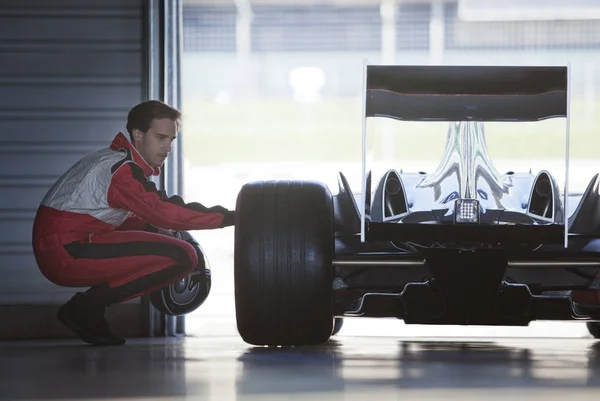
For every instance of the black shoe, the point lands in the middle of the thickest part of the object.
(87, 321)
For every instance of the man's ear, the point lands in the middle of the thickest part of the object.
(137, 135)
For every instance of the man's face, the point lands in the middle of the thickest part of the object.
(155, 144)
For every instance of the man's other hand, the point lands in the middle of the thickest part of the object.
(170, 233)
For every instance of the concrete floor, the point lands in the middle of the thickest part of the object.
(218, 365)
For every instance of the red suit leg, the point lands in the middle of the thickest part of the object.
(119, 265)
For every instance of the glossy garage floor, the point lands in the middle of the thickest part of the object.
(370, 360)
(356, 365)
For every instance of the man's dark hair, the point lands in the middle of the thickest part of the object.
(141, 116)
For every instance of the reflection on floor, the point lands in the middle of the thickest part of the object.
(220, 366)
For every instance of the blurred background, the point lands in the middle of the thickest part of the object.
(272, 89)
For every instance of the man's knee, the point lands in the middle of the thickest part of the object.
(187, 237)
(187, 243)
(191, 253)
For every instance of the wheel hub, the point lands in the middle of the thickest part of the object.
(181, 285)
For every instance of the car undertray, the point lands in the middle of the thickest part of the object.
(459, 287)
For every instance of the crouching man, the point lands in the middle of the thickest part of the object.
(103, 224)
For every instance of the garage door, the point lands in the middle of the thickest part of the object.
(69, 71)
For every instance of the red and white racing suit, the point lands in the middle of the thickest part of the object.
(95, 226)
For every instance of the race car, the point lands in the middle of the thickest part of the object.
(463, 244)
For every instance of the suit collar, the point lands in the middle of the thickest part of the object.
(122, 142)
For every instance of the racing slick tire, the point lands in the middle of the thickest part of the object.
(284, 247)
(594, 329)
(189, 293)
(337, 325)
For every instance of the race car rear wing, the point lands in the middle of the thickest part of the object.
(466, 93)
(463, 93)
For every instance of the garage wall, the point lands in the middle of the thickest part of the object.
(69, 72)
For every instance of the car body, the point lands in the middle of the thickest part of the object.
(464, 244)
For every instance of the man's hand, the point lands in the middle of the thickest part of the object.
(229, 219)
(228, 215)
